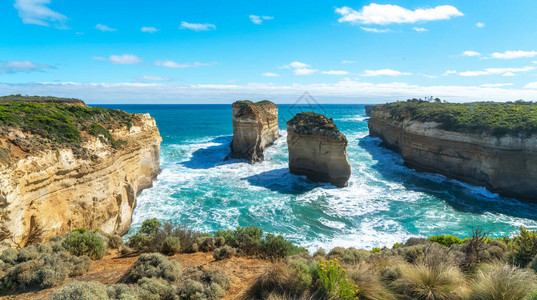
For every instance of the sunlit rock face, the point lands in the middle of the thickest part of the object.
(506, 165)
(317, 149)
(255, 126)
(53, 191)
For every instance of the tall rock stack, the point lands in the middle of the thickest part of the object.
(255, 126)
(317, 149)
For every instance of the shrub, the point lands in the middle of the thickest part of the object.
(139, 242)
(86, 243)
(446, 240)
(153, 266)
(502, 281)
(198, 284)
(277, 279)
(82, 291)
(320, 252)
(150, 226)
(428, 279)
(123, 292)
(278, 247)
(303, 271)
(350, 255)
(171, 245)
(9, 256)
(248, 240)
(413, 241)
(206, 243)
(524, 247)
(335, 282)
(224, 252)
(152, 288)
(52, 269)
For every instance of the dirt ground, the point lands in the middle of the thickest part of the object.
(242, 271)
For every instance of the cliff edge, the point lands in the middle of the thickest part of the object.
(486, 144)
(317, 149)
(66, 166)
(255, 126)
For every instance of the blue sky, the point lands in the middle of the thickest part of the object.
(216, 52)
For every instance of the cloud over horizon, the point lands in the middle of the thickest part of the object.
(10, 67)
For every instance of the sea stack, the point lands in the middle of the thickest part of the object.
(317, 149)
(255, 126)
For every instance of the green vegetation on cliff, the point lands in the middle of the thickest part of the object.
(60, 124)
(40, 99)
(494, 118)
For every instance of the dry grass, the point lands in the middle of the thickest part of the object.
(502, 282)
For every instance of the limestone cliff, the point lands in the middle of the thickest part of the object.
(49, 187)
(506, 164)
(255, 126)
(317, 149)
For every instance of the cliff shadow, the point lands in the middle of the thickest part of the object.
(282, 181)
(460, 196)
(211, 156)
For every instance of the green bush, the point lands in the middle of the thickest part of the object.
(224, 252)
(158, 289)
(115, 241)
(86, 243)
(198, 284)
(153, 266)
(335, 282)
(350, 255)
(524, 247)
(49, 270)
(150, 226)
(9, 256)
(82, 291)
(277, 247)
(139, 242)
(171, 245)
(446, 240)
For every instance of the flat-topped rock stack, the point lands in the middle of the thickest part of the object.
(317, 149)
(255, 126)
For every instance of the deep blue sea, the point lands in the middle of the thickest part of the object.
(384, 203)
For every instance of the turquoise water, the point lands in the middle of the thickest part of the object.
(384, 203)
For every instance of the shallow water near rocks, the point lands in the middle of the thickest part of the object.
(384, 203)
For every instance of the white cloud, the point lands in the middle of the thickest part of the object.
(531, 85)
(335, 72)
(471, 53)
(508, 74)
(125, 59)
(479, 25)
(344, 91)
(420, 29)
(376, 30)
(496, 85)
(197, 26)
(305, 71)
(387, 14)
(174, 65)
(514, 54)
(100, 58)
(148, 29)
(36, 12)
(269, 74)
(534, 62)
(10, 67)
(497, 71)
(295, 65)
(348, 62)
(259, 19)
(384, 72)
(153, 78)
(449, 72)
(104, 28)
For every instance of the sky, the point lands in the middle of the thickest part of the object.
(340, 51)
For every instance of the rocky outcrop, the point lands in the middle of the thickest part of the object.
(317, 149)
(369, 109)
(255, 126)
(53, 191)
(504, 164)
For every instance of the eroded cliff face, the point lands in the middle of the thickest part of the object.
(50, 192)
(255, 126)
(506, 165)
(317, 149)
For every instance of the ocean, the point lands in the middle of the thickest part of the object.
(384, 203)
